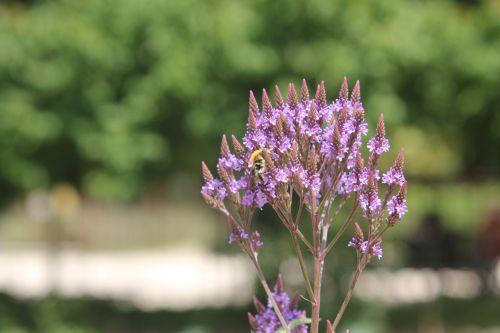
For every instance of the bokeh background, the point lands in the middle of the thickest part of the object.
(108, 107)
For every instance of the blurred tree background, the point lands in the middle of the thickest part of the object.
(120, 98)
(112, 95)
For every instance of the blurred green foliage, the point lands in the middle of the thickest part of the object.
(112, 95)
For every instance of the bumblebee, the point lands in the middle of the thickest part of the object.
(257, 163)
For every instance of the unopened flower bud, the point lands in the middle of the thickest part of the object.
(278, 285)
(359, 116)
(304, 92)
(238, 148)
(267, 107)
(400, 161)
(358, 231)
(258, 305)
(254, 106)
(356, 93)
(292, 96)
(278, 99)
(312, 160)
(312, 113)
(224, 147)
(360, 164)
(207, 175)
(252, 116)
(380, 131)
(278, 129)
(337, 141)
(320, 97)
(224, 175)
(294, 153)
(284, 124)
(379, 143)
(252, 321)
(269, 161)
(343, 117)
(344, 89)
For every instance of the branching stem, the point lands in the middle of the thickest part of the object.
(269, 292)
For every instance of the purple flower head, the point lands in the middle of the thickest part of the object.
(395, 176)
(374, 249)
(355, 243)
(361, 245)
(303, 141)
(266, 321)
(307, 146)
(396, 206)
(353, 181)
(227, 160)
(237, 235)
(260, 199)
(214, 188)
(369, 199)
(304, 155)
(255, 241)
(379, 143)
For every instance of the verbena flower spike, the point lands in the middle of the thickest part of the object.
(309, 152)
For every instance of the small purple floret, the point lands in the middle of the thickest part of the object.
(267, 321)
(237, 235)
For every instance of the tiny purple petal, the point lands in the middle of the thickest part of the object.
(393, 176)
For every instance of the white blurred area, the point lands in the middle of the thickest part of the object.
(156, 255)
(190, 278)
(150, 254)
(423, 285)
(177, 279)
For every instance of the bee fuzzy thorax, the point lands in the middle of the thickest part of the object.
(257, 163)
(255, 155)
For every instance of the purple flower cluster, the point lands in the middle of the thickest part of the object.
(304, 154)
(397, 206)
(395, 176)
(237, 235)
(296, 138)
(373, 249)
(266, 321)
(310, 147)
(358, 242)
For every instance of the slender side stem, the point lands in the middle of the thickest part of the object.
(270, 294)
(318, 272)
(341, 229)
(347, 297)
(337, 210)
(282, 217)
(304, 239)
(303, 267)
(287, 221)
(318, 264)
(299, 213)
